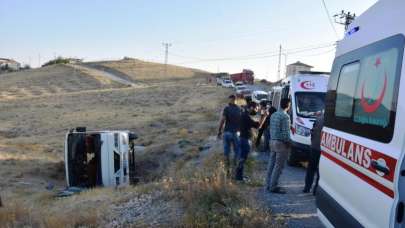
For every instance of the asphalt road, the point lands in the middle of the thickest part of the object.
(296, 208)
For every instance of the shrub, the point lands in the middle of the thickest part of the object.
(58, 60)
(212, 199)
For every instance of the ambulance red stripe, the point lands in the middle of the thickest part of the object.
(358, 154)
(359, 174)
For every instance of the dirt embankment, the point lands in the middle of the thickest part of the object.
(182, 181)
(51, 80)
(148, 72)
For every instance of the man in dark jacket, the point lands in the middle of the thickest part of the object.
(263, 128)
(229, 125)
(246, 124)
(313, 165)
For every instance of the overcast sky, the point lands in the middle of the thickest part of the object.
(213, 35)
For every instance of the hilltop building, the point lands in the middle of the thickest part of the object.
(9, 64)
(295, 68)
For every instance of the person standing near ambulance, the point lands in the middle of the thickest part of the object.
(279, 145)
(313, 165)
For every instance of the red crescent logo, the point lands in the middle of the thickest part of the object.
(369, 108)
(307, 85)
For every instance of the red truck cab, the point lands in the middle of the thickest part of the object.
(246, 76)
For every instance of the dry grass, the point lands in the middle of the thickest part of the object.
(17, 215)
(164, 114)
(50, 80)
(212, 199)
(147, 71)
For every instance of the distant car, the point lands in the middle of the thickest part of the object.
(239, 83)
(227, 83)
(219, 81)
(258, 96)
(240, 88)
(247, 93)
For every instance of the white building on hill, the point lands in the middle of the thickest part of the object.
(9, 64)
(295, 68)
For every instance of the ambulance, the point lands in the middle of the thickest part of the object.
(362, 168)
(99, 158)
(306, 91)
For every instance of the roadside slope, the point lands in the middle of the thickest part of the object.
(50, 80)
(138, 70)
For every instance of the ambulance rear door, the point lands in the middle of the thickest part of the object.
(362, 139)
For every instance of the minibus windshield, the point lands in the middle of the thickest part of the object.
(308, 104)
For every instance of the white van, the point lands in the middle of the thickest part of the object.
(259, 96)
(306, 91)
(99, 158)
(362, 166)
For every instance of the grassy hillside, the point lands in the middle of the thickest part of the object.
(138, 70)
(55, 79)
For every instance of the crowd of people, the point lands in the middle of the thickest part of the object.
(235, 129)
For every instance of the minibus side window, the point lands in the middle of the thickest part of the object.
(346, 89)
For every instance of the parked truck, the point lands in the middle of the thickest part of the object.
(246, 76)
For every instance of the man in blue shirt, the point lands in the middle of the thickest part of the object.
(231, 120)
(280, 146)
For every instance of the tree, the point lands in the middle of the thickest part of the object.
(58, 60)
(26, 67)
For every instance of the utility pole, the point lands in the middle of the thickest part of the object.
(39, 60)
(285, 64)
(279, 64)
(344, 18)
(166, 45)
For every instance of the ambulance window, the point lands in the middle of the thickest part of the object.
(365, 99)
(374, 99)
(346, 89)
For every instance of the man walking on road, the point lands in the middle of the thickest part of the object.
(231, 119)
(280, 145)
(313, 165)
(246, 124)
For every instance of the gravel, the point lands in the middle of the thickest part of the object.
(296, 208)
(146, 210)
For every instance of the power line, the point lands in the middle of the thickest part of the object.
(250, 57)
(329, 18)
(235, 36)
